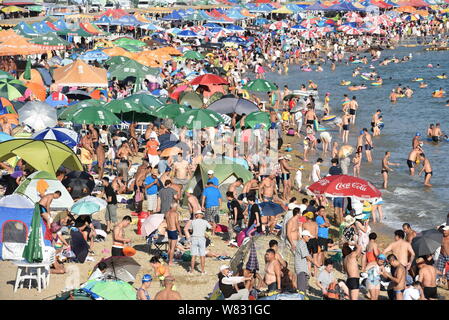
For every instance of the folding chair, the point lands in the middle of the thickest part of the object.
(158, 241)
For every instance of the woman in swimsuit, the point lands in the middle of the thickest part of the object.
(142, 292)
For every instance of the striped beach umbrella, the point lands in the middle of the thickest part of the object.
(63, 135)
(11, 89)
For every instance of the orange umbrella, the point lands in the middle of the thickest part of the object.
(19, 46)
(169, 50)
(95, 94)
(35, 77)
(408, 9)
(38, 90)
(118, 51)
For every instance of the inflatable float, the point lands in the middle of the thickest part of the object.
(345, 83)
(307, 69)
(376, 83)
(357, 61)
(365, 77)
(438, 94)
(442, 76)
(355, 88)
(317, 126)
(417, 79)
(329, 118)
(307, 93)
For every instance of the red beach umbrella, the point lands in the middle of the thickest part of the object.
(345, 186)
(208, 79)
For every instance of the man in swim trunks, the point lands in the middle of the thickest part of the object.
(427, 276)
(285, 176)
(443, 259)
(312, 244)
(118, 237)
(310, 116)
(393, 96)
(368, 144)
(398, 275)
(411, 160)
(427, 168)
(416, 142)
(44, 206)
(375, 119)
(401, 249)
(346, 119)
(173, 230)
(351, 267)
(353, 106)
(386, 168)
(181, 173)
(436, 133)
(134, 144)
(267, 188)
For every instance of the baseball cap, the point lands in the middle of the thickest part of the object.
(306, 233)
(224, 267)
(382, 257)
(210, 172)
(147, 278)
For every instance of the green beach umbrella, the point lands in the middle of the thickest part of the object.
(50, 39)
(33, 249)
(257, 117)
(146, 100)
(84, 208)
(69, 111)
(192, 99)
(194, 55)
(128, 42)
(11, 89)
(27, 73)
(206, 118)
(260, 85)
(131, 68)
(116, 60)
(111, 290)
(132, 48)
(94, 115)
(171, 111)
(35, 8)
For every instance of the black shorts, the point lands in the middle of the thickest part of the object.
(322, 243)
(312, 245)
(117, 252)
(346, 127)
(426, 173)
(430, 292)
(353, 283)
(285, 176)
(435, 138)
(352, 111)
(309, 122)
(373, 124)
(368, 147)
(410, 163)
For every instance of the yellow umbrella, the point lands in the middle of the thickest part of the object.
(12, 9)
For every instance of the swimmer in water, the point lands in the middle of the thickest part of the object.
(423, 85)
(427, 169)
(393, 96)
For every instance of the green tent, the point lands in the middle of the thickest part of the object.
(33, 249)
(128, 42)
(50, 39)
(226, 172)
(79, 32)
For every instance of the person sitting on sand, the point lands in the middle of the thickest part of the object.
(168, 293)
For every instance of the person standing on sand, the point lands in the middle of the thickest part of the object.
(351, 267)
(386, 168)
(44, 207)
(409, 232)
(173, 230)
(294, 228)
(427, 169)
(118, 237)
(272, 271)
(428, 278)
(210, 203)
(312, 242)
(302, 258)
(198, 239)
(401, 249)
(398, 275)
(168, 293)
(443, 258)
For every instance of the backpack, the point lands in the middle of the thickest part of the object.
(334, 292)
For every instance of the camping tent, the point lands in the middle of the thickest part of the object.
(226, 173)
(42, 181)
(16, 213)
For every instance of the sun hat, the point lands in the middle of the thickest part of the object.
(224, 267)
(288, 157)
(210, 172)
(349, 220)
(147, 278)
(199, 212)
(306, 233)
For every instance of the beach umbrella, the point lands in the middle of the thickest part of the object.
(56, 99)
(252, 264)
(94, 115)
(38, 115)
(192, 99)
(149, 101)
(38, 90)
(45, 155)
(235, 28)
(256, 118)
(427, 242)
(200, 118)
(232, 104)
(69, 111)
(91, 199)
(84, 208)
(96, 55)
(345, 186)
(208, 79)
(128, 42)
(11, 89)
(33, 248)
(116, 60)
(260, 85)
(6, 106)
(111, 290)
(131, 68)
(121, 268)
(78, 95)
(152, 223)
(127, 105)
(5, 75)
(269, 208)
(194, 55)
(170, 111)
(63, 135)
(77, 181)
(5, 137)
(352, 31)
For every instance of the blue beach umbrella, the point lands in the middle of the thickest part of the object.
(5, 137)
(85, 208)
(97, 55)
(63, 135)
(234, 27)
(187, 34)
(270, 208)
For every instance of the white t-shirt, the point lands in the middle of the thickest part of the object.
(411, 294)
(199, 227)
(315, 172)
(302, 207)
(326, 136)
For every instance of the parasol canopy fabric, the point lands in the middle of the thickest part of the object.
(345, 186)
(230, 105)
(38, 115)
(11, 89)
(260, 85)
(94, 115)
(202, 118)
(33, 248)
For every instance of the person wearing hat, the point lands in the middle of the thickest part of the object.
(198, 239)
(228, 285)
(428, 278)
(142, 292)
(151, 148)
(374, 271)
(416, 141)
(302, 258)
(211, 178)
(168, 293)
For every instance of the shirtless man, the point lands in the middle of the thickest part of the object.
(360, 140)
(427, 169)
(345, 120)
(168, 293)
(123, 155)
(267, 189)
(272, 276)
(285, 176)
(294, 227)
(233, 186)
(398, 275)
(393, 96)
(351, 267)
(173, 230)
(133, 141)
(273, 118)
(312, 244)
(181, 173)
(368, 144)
(310, 116)
(386, 168)
(118, 237)
(101, 156)
(428, 278)
(94, 135)
(250, 187)
(436, 133)
(345, 103)
(401, 249)
(411, 160)
(87, 144)
(44, 206)
(443, 259)
(353, 106)
(416, 142)
(375, 118)
(409, 232)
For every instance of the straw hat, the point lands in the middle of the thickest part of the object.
(349, 220)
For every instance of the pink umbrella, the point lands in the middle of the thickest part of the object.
(152, 223)
(352, 31)
(278, 25)
(376, 30)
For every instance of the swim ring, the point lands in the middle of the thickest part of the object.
(365, 77)
(329, 118)
(441, 77)
(438, 94)
(376, 83)
(418, 79)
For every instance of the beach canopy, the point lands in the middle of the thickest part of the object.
(110, 289)
(94, 115)
(227, 105)
(69, 111)
(345, 186)
(121, 268)
(46, 155)
(80, 74)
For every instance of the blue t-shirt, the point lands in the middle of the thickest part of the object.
(322, 231)
(212, 195)
(153, 189)
(214, 180)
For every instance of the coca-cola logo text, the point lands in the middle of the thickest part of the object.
(354, 185)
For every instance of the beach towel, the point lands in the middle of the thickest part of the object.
(85, 157)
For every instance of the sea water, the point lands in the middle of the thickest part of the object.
(406, 199)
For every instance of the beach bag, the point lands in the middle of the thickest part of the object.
(241, 236)
(333, 292)
(291, 132)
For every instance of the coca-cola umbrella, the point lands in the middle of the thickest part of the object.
(345, 186)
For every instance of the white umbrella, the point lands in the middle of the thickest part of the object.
(152, 223)
(102, 203)
(38, 115)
